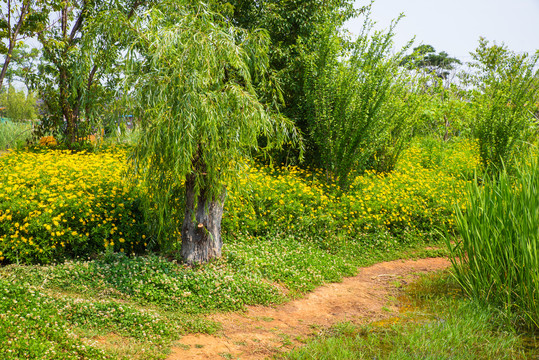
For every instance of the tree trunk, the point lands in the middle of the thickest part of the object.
(201, 230)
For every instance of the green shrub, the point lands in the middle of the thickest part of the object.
(360, 102)
(502, 98)
(18, 105)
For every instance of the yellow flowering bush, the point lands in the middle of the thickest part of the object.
(56, 204)
(416, 197)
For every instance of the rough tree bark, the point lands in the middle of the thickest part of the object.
(201, 229)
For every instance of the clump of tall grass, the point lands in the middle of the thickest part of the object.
(497, 259)
(13, 134)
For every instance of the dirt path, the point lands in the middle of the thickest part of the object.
(262, 331)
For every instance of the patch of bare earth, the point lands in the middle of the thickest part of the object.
(262, 331)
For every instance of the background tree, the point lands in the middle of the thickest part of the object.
(19, 19)
(23, 65)
(72, 78)
(424, 57)
(192, 79)
(294, 27)
(443, 103)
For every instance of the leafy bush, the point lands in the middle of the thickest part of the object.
(503, 99)
(360, 106)
(55, 204)
(19, 106)
(497, 258)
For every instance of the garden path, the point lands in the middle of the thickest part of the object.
(262, 331)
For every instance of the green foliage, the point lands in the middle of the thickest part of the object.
(79, 73)
(23, 65)
(497, 257)
(359, 102)
(13, 135)
(201, 115)
(19, 19)
(18, 105)
(294, 28)
(444, 113)
(424, 57)
(503, 99)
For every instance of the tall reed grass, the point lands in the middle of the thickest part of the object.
(13, 134)
(497, 260)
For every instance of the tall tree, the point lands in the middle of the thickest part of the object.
(19, 19)
(424, 57)
(76, 60)
(191, 76)
(23, 65)
(291, 25)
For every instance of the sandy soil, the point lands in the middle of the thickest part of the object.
(262, 331)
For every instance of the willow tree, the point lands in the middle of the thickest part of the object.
(191, 80)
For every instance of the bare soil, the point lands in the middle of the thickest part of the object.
(262, 331)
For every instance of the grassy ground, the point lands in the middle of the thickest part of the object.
(134, 307)
(438, 322)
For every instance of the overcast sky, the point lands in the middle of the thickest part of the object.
(455, 26)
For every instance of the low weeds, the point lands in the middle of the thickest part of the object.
(441, 323)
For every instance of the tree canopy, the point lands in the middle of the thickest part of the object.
(425, 57)
(19, 19)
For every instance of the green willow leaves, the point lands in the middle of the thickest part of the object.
(190, 76)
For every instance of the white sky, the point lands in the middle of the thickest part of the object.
(455, 26)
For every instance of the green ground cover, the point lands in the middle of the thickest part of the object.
(442, 323)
